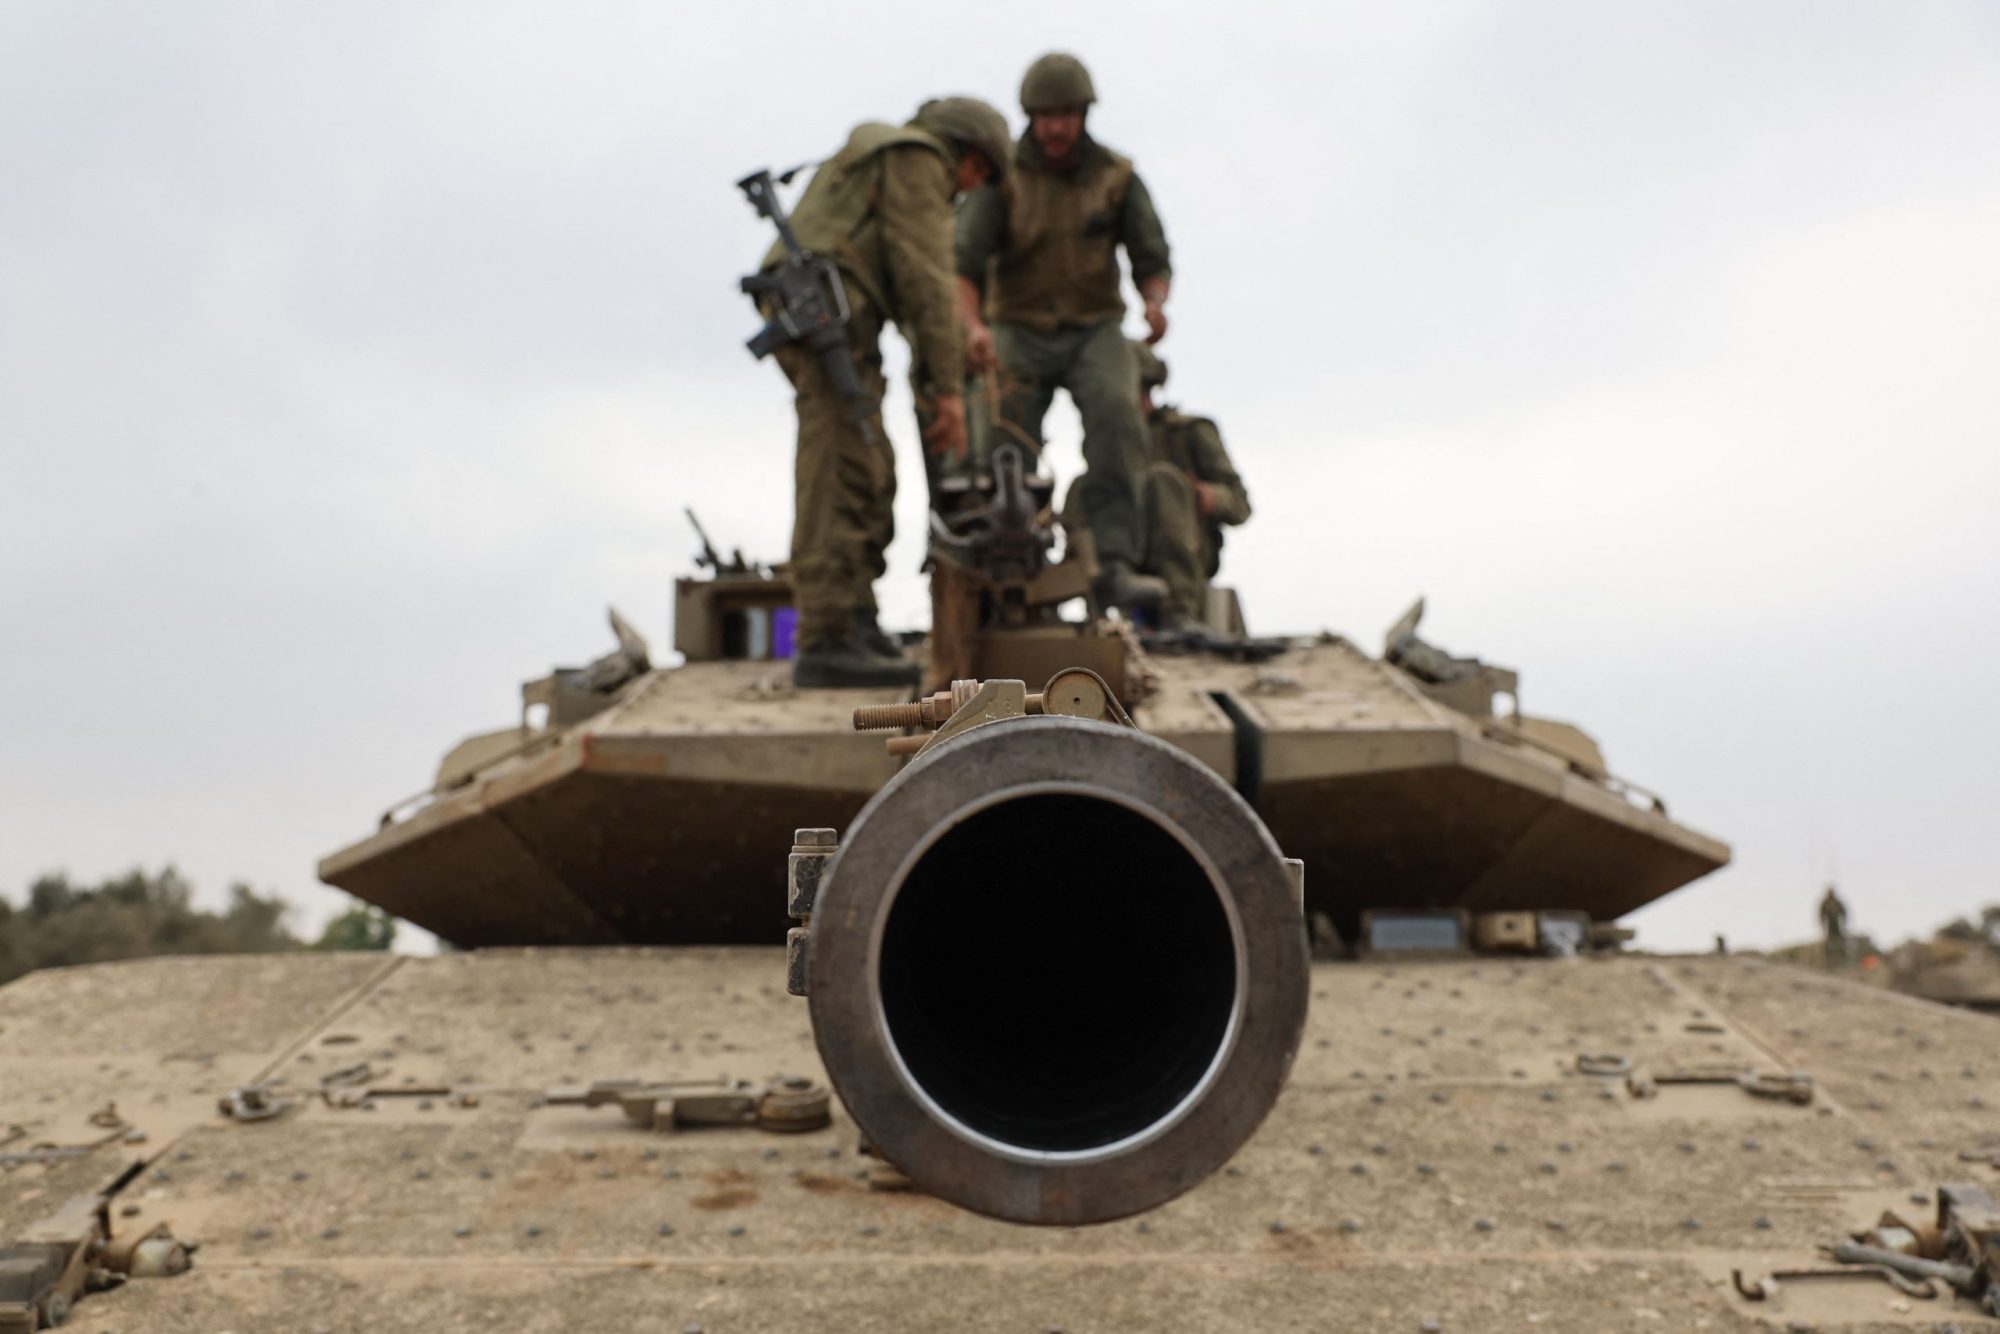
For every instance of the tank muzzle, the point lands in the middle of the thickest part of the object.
(1057, 971)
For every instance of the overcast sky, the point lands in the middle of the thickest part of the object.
(353, 357)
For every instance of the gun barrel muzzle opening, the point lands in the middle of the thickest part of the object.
(1058, 971)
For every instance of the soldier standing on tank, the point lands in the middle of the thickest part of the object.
(880, 208)
(1041, 251)
(1833, 922)
(1191, 490)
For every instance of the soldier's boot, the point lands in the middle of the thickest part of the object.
(1121, 586)
(879, 641)
(848, 663)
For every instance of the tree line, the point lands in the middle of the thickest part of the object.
(136, 915)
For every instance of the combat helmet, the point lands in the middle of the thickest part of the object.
(1058, 79)
(970, 121)
(1152, 370)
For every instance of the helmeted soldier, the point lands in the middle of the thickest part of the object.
(1040, 253)
(880, 208)
(1191, 491)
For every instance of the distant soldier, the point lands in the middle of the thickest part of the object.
(1042, 251)
(1191, 493)
(880, 208)
(1833, 922)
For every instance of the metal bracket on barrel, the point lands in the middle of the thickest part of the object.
(812, 849)
(989, 702)
(1074, 692)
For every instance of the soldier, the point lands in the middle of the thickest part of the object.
(1043, 246)
(881, 208)
(1191, 491)
(1833, 921)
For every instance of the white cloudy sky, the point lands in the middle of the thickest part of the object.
(352, 358)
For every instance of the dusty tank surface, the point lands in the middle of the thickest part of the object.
(639, 804)
(1437, 1156)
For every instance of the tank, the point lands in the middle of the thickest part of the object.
(1959, 965)
(1044, 1049)
(638, 804)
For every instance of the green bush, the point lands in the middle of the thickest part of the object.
(359, 928)
(137, 915)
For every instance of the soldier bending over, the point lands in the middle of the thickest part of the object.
(880, 208)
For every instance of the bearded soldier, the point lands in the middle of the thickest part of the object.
(1040, 252)
(881, 209)
(1191, 493)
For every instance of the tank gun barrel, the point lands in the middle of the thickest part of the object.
(1057, 968)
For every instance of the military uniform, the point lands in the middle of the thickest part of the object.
(880, 208)
(1833, 921)
(1183, 546)
(1044, 246)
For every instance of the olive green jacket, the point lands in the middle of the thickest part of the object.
(1194, 445)
(881, 208)
(1045, 243)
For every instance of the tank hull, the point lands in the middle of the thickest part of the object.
(1364, 1192)
(664, 820)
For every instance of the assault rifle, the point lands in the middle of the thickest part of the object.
(809, 300)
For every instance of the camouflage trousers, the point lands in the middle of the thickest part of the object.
(1095, 365)
(844, 486)
(1180, 547)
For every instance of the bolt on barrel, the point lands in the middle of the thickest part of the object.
(932, 711)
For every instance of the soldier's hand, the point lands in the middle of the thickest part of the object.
(1204, 499)
(979, 354)
(945, 436)
(1156, 321)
